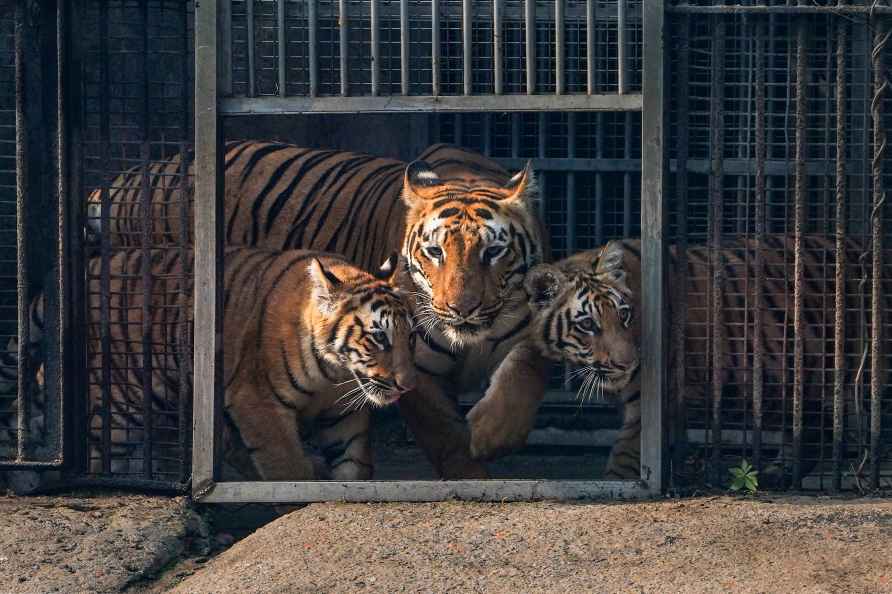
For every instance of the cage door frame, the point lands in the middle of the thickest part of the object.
(210, 32)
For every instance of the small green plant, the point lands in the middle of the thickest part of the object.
(744, 478)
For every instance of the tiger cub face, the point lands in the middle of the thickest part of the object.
(583, 316)
(468, 245)
(362, 328)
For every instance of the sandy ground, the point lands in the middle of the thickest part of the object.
(716, 544)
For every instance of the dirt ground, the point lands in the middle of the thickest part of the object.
(708, 544)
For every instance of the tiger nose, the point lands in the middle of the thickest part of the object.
(464, 307)
(404, 383)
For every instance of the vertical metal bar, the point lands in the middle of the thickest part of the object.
(801, 188)
(105, 246)
(283, 45)
(376, 47)
(716, 184)
(541, 152)
(653, 248)
(313, 43)
(839, 329)
(435, 47)
(404, 47)
(208, 254)
(497, 45)
(590, 45)
(880, 88)
(225, 10)
(559, 47)
(601, 132)
(467, 44)
(680, 264)
(571, 185)
(530, 24)
(515, 135)
(59, 323)
(146, 240)
(487, 134)
(22, 166)
(249, 15)
(759, 272)
(344, 39)
(184, 346)
(627, 176)
(621, 51)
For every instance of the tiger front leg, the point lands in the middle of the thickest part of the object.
(440, 430)
(345, 444)
(269, 432)
(502, 420)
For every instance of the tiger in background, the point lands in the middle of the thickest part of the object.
(587, 309)
(311, 343)
(467, 234)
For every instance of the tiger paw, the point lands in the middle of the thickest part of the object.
(494, 432)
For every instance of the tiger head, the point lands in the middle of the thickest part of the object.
(468, 245)
(584, 316)
(362, 327)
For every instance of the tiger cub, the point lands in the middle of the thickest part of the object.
(310, 341)
(586, 310)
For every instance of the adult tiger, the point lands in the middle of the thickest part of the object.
(467, 235)
(586, 309)
(310, 341)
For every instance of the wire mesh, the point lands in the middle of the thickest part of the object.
(435, 37)
(784, 376)
(137, 127)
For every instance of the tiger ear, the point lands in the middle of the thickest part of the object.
(387, 268)
(325, 285)
(543, 283)
(609, 265)
(419, 183)
(521, 189)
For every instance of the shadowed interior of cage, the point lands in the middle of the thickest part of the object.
(137, 123)
(773, 132)
(347, 46)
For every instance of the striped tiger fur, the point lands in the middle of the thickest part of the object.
(310, 340)
(467, 235)
(586, 314)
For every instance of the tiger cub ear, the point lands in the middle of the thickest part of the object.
(543, 283)
(387, 268)
(608, 267)
(325, 285)
(521, 189)
(419, 183)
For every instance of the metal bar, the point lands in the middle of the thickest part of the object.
(559, 75)
(59, 336)
(680, 261)
(590, 45)
(497, 46)
(236, 106)
(208, 254)
(839, 328)
(571, 185)
(344, 39)
(759, 257)
(716, 214)
(435, 47)
(23, 188)
(541, 151)
(515, 135)
(249, 16)
(283, 45)
(105, 246)
(599, 182)
(313, 45)
(225, 10)
(880, 88)
(404, 47)
(375, 25)
(529, 20)
(653, 248)
(622, 76)
(146, 240)
(788, 10)
(627, 178)
(487, 134)
(420, 491)
(467, 44)
(183, 344)
(801, 188)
